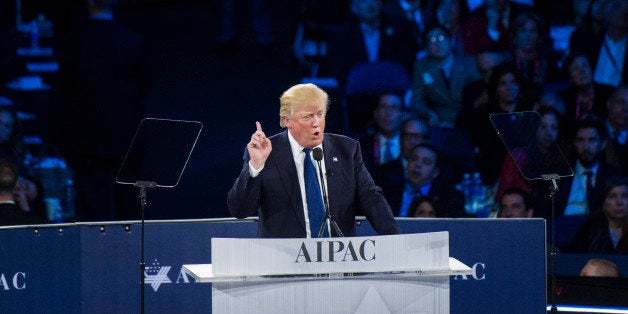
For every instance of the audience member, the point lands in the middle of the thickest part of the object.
(414, 131)
(383, 144)
(532, 59)
(515, 203)
(503, 97)
(581, 193)
(527, 162)
(439, 79)
(583, 96)
(369, 35)
(489, 25)
(10, 213)
(590, 30)
(475, 93)
(452, 14)
(419, 14)
(607, 50)
(598, 267)
(103, 80)
(552, 100)
(422, 207)
(29, 195)
(601, 233)
(12, 146)
(616, 152)
(423, 178)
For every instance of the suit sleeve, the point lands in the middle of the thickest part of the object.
(371, 200)
(243, 200)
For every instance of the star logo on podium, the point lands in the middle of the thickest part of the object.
(155, 275)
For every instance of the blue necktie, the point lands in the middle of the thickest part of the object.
(315, 207)
(388, 153)
(589, 189)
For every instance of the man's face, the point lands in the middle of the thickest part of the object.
(438, 44)
(588, 146)
(389, 113)
(307, 125)
(414, 132)
(512, 206)
(421, 167)
(618, 109)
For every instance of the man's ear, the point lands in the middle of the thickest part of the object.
(530, 212)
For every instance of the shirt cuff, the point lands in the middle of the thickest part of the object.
(254, 172)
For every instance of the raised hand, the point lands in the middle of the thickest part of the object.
(259, 147)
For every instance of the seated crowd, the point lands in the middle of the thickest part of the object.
(497, 58)
(467, 64)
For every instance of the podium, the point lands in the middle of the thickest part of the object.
(378, 274)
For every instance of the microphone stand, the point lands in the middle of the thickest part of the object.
(143, 185)
(553, 188)
(328, 219)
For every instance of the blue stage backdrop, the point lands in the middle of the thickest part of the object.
(94, 268)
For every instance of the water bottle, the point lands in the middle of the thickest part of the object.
(68, 202)
(477, 195)
(465, 188)
(34, 34)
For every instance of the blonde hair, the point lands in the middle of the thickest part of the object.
(301, 96)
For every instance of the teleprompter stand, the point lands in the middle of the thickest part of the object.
(157, 157)
(535, 152)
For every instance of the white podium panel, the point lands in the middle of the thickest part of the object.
(380, 274)
(411, 294)
(411, 252)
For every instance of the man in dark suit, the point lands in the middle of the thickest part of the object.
(382, 144)
(439, 78)
(607, 52)
(616, 152)
(414, 131)
(581, 194)
(273, 180)
(369, 35)
(424, 178)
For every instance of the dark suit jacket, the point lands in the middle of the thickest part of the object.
(448, 202)
(430, 90)
(604, 171)
(347, 47)
(590, 44)
(394, 10)
(276, 197)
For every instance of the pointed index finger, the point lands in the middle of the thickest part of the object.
(259, 126)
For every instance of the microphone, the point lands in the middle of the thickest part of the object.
(317, 154)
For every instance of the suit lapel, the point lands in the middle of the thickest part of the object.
(284, 162)
(332, 185)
